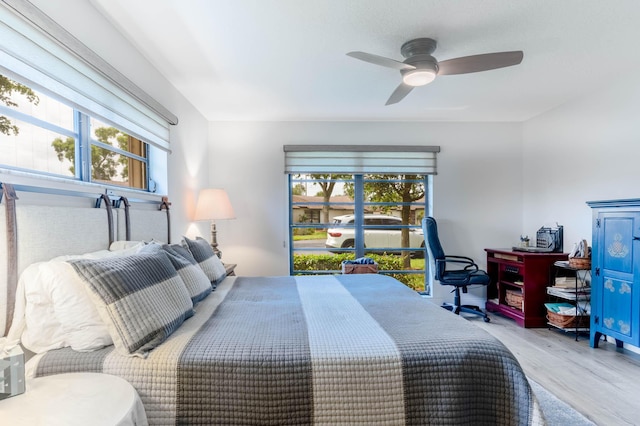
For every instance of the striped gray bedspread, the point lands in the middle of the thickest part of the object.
(345, 349)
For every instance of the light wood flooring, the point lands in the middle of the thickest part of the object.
(603, 384)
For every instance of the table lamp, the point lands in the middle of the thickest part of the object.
(214, 204)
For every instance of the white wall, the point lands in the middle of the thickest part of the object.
(187, 166)
(588, 149)
(477, 192)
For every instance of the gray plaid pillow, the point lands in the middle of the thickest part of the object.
(197, 283)
(206, 258)
(141, 298)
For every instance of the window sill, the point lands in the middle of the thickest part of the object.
(53, 183)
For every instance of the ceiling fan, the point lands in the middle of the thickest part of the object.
(420, 68)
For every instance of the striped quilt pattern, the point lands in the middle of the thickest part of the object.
(327, 350)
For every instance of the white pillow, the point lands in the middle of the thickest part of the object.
(53, 309)
(101, 254)
(93, 255)
(124, 245)
(82, 327)
(34, 321)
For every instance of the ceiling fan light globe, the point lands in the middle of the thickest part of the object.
(418, 77)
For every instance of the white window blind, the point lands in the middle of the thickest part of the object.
(38, 52)
(358, 159)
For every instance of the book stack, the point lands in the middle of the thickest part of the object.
(568, 288)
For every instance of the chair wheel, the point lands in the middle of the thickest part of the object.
(487, 319)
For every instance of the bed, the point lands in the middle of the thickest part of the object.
(343, 349)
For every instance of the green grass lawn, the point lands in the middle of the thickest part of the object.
(318, 235)
(417, 263)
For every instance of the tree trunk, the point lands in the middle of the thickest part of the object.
(404, 237)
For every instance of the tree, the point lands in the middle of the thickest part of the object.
(385, 188)
(7, 88)
(104, 162)
(299, 189)
(326, 190)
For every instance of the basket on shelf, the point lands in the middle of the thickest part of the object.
(580, 262)
(563, 320)
(514, 299)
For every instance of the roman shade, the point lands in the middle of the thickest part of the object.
(38, 52)
(358, 159)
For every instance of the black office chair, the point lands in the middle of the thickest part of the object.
(458, 278)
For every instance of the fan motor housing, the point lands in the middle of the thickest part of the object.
(418, 46)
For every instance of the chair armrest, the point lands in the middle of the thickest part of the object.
(463, 260)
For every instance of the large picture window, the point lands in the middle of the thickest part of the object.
(377, 216)
(369, 206)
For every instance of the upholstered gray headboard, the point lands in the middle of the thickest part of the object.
(35, 231)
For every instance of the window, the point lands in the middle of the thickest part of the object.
(66, 112)
(374, 215)
(116, 157)
(372, 202)
(41, 134)
(27, 121)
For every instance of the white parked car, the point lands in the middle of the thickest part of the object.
(343, 237)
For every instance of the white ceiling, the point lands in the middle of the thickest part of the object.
(285, 59)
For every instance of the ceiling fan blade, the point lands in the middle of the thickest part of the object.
(380, 60)
(401, 91)
(477, 63)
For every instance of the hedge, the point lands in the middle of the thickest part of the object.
(333, 262)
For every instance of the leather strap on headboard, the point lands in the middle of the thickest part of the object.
(165, 205)
(107, 203)
(12, 250)
(127, 219)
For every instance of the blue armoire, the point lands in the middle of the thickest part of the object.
(615, 271)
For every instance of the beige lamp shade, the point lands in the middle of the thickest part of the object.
(213, 204)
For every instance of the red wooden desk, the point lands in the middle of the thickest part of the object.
(529, 273)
